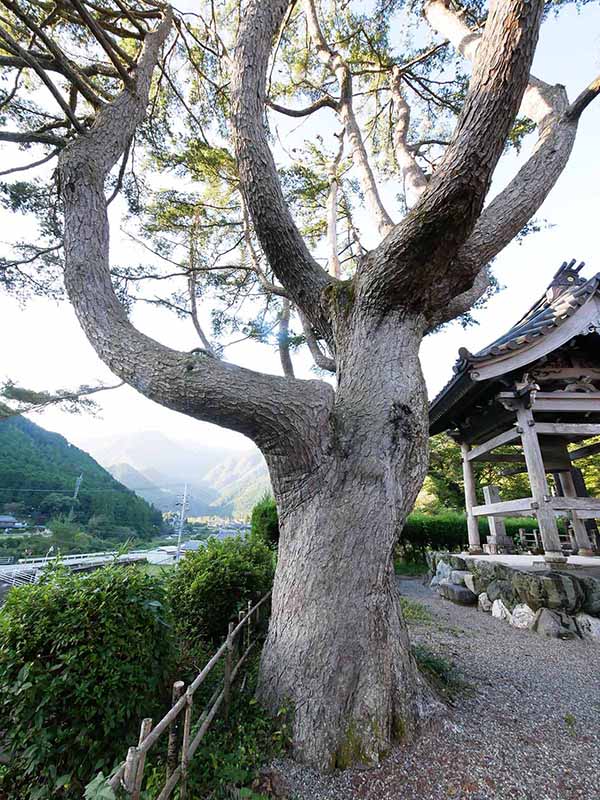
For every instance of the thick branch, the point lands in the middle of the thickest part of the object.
(579, 105)
(271, 410)
(510, 211)
(22, 137)
(284, 247)
(413, 266)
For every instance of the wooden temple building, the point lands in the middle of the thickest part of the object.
(537, 387)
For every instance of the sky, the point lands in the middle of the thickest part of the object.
(44, 347)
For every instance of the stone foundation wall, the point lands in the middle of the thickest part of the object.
(557, 604)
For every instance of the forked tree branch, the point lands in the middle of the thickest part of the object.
(269, 409)
(513, 207)
(413, 266)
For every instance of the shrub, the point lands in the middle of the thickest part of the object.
(213, 584)
(264, 521)
(82, 659)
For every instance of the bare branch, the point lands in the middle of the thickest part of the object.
(322, 102)
(283, 340)
(116, 54)
(332, 212)
(67, 68)
(30, 61)
(334, 61)
(321, 360)
(579, 105)
(415, 181)
(33, 164)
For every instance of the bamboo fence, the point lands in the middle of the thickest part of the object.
(183, 738)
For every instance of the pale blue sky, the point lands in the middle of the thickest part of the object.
(44, 347)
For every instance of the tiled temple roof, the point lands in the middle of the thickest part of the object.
(567, 292)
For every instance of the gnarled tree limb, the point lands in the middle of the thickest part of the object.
(414, 265)
(270, 410)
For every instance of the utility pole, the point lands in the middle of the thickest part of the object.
(182, 517)
(75, 495)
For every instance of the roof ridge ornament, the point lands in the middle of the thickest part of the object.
(565, 278)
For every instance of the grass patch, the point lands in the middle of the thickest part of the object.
(413, 611)
(441, 673)
(410, 569)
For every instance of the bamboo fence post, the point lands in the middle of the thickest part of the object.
(173, 745)
(249, 624)
(130, 774)
(139, 777)
(185, 746)
(228, 670)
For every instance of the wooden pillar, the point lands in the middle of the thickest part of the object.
(470, 501)
(498, 539)
(539, 486)
(584, 545)
(582, 491)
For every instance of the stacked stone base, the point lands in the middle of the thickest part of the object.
(552, 603)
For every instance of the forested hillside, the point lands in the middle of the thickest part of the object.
(38, 469)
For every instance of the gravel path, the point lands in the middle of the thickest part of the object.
(529, 729)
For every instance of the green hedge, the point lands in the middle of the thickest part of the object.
(82, 659)
(213, 584)
(447, 531)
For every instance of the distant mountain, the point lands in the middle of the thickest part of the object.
(241, 482)
(40, 468)
(220, 481)
(158, 457)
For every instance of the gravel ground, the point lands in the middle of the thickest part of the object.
(528, 728)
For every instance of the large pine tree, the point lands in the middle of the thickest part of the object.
(94, 83)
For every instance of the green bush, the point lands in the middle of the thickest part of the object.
(265, 522)
(213, 584)
(447, 531)
(82, 659)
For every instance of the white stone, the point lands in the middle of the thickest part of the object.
(500, 611)
(589, 627)
(470, 582)
(459, 576)
(522, 616)
(442, 574)
(484, 603)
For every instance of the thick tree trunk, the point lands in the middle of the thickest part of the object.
(338, 649)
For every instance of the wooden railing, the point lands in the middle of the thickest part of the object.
(183, 740)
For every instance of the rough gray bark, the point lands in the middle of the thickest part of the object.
(337, 647)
